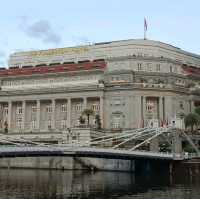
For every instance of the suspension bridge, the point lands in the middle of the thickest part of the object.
(130, 144)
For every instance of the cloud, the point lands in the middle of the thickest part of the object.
(3, 58)
(41, 29)
(2, 54)
(2, 63)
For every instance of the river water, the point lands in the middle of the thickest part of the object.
(51, 184)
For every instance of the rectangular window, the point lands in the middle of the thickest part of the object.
(149, 106)
(95, 107)
(115, 125)
(63, 124)
(49, 109)
(149, 67)
(63, 108)
(139, 66)
(5, 110)
(170, 69)
(49, 124)
(19, 123)
(78, 107)
(116, 122)
(116, 79)
(34, 124)
(181, 105)
(157, 67)
(34, 109)
(19, 110)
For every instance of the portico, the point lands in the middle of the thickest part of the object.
(47, 114)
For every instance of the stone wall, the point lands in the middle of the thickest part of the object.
(67, 163)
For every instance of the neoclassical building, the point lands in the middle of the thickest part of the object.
(128, 83)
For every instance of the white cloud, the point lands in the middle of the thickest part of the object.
(41, 29)
(2, 54)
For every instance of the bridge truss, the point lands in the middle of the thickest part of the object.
(127, 141)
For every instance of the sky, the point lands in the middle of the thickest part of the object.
(43, 24)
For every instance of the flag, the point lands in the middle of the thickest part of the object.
(145, 24)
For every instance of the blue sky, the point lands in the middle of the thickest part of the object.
(43, 24)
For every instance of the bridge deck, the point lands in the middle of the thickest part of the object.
(84, 152)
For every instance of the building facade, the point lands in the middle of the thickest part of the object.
(129, 84)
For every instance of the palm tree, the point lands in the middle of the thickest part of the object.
(197, 110)
(81, 120)
(88, 112)
(98, 121)
(192, 119)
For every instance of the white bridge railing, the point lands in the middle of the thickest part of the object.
(118, 143)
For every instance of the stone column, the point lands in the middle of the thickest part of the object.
(1, 115)
(53, 113)
(137, 113)
(69, 112)
(23, 114)
(164, 110)
(160, 117)
(144, 110)
(192, 106)
(9, 114)
(168, 108)
(38, 114)
(101, 111)
(84, 103)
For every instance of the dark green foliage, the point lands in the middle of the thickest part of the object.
(81, 120)
(197, 110)
(191, 120)
(98, 121)
(88, 112)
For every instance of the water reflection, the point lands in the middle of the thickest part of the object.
(46, 184)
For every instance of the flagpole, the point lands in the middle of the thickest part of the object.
(145, 33)
(145, 29)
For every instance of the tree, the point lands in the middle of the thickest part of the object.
(98, 121)
(197, 110)
(88, 112)
(191, 120)
(81, 120)
(6, 127)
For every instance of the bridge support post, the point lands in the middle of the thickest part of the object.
(154, 145)
(176, 143)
